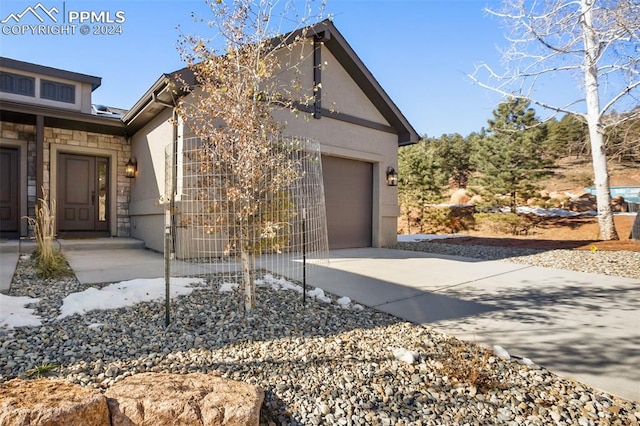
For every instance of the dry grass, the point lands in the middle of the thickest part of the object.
(468, 364)
(50, 262)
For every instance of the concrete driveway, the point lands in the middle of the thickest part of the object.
(578, 325)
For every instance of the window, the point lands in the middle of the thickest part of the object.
(16, 83)
(57, 91)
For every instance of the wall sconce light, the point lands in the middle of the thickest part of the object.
(392, 176)
(130, 168)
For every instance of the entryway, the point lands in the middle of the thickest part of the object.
(83, 196)
(9, 193)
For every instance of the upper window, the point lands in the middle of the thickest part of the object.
(57, 91)
(16, 83)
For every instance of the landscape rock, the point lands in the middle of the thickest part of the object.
(619, 204)
(194, 399)
(51, 402)
(584, 202)
(460, 196)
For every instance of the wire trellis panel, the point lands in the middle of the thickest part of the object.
(212, 211)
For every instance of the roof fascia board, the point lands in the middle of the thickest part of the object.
(146, 99)
(71, 119)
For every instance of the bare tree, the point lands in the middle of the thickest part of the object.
(246, 71)
(595, 42)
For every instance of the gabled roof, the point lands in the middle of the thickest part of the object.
(159, 95)
(51, 72)
(344, 53)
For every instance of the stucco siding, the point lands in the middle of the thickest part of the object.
(340, 93)
(146, 207)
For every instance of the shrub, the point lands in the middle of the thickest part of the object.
(504, 223)
(446, 219)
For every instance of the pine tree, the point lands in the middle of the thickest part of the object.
(453, 155)
(510, 160)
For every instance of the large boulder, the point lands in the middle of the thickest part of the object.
(185, 399)
(52, 403)
(460, 196)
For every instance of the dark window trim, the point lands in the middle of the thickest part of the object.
(16, 86)
(58, 89)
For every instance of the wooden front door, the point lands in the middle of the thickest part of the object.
(9, 193)
(83, 195)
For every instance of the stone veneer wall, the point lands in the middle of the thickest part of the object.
(77, 138)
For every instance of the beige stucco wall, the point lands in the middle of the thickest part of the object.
(146, 207)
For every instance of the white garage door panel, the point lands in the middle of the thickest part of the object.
(348, 192)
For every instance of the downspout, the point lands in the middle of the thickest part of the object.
(174, 164)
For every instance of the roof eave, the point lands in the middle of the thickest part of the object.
(63, 118)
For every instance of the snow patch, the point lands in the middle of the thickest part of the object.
(553, 212)
(344, 302)
(123, 294)
(318, 293)
(228, 287)
(13, 312)
(278, 283)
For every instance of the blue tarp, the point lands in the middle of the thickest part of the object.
(629, 193)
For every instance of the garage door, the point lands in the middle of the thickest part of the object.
(348, 191)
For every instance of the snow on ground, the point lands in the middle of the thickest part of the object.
(125, 293)
(553, 212)
(13, 311)
(228, 287)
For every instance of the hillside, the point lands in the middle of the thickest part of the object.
(573, 175)
(570, 177)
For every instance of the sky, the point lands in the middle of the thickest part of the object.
(420, 51)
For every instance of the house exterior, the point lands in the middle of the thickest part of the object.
(53, 139)
(58, 145)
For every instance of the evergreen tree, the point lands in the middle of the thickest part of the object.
(569, 136)
(421, 178)
(510, 159)
(453, 155)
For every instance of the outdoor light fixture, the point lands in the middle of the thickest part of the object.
(130, 168)
(392, 176)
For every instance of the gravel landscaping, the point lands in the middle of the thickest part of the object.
(319, 364)
(616, 263)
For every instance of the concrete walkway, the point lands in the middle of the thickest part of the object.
(578, 325)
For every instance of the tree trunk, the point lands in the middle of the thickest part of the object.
(596, 130)
(248, 281)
